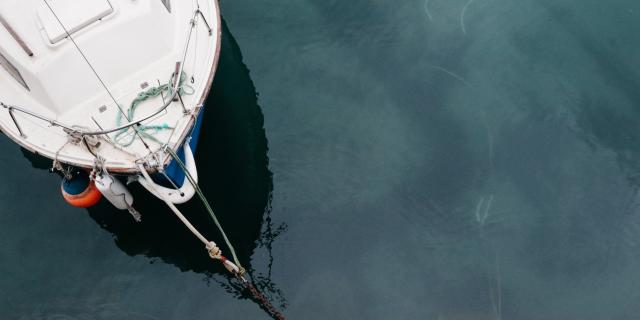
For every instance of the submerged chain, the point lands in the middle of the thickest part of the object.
(264, 301)
(214, 252)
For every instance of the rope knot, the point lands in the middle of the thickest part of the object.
(214, 251)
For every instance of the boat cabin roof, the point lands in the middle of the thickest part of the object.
(82, 63)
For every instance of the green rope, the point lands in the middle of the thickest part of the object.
(140, 98)
(207, 206)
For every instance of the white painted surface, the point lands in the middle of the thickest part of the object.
(73, 14)
(139, 42)
(175, 196)
(114, 191)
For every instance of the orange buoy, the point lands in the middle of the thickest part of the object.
(80, 191)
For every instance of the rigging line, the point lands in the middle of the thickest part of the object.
(86, 60)
(97, 75)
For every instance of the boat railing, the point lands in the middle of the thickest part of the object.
(82, 132)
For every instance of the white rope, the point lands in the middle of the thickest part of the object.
(215, 253)
(211, 246)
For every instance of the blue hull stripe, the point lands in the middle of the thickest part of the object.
(173, 170)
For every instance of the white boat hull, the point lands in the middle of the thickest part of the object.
(71, 100)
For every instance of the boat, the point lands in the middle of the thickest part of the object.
(112, 91)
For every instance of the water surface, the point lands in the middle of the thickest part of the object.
(445, 160)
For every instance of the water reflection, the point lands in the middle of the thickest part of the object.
(234, 175)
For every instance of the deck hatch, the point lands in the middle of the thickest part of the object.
(75, 15)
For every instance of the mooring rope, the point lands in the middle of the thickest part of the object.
(214, 252)
(195, 185)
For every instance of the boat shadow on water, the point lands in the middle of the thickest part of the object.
(234, 175)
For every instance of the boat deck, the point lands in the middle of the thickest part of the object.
(117, 50)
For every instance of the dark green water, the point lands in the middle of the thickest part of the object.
(374, 160)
